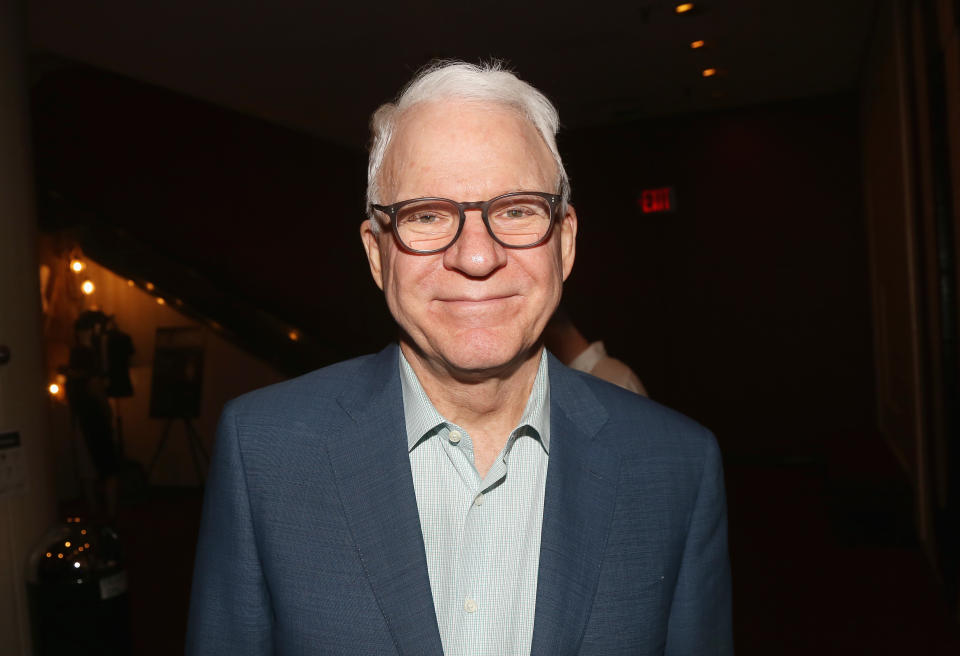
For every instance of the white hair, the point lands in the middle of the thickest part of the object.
(485, 82)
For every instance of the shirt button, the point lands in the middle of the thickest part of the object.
(479, 500)
(470, 605)
(454, 437)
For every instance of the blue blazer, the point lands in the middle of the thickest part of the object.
(310, 541)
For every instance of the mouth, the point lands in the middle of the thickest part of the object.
(472, 300)
(477, 307)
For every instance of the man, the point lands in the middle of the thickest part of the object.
(462, 492)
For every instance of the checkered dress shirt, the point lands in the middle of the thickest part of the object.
(482, 536)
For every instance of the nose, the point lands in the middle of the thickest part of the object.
(475, 253)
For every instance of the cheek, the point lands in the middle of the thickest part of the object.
(549, 272)
(391, 280)
(403, 281)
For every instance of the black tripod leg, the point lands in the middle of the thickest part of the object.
(156, 454)
(193, 443)
(199, 443)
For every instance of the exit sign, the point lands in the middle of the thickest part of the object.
(657, 201)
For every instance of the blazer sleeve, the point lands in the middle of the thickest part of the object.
(230, 610)
(700, 614)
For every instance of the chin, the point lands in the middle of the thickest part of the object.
(483, 352)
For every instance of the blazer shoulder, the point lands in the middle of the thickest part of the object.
(291, 397)
(642, 423)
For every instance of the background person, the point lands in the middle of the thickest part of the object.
(565, 341)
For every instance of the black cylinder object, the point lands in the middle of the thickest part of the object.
(77, 589)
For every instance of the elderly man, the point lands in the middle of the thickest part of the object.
(462, 492)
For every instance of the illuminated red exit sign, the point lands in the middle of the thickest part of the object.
(657, 201)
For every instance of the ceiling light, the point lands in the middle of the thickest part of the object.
(77, 265)
(697, 44)
(708, 72)
(683, 7)
(54, 389)
(87, 287)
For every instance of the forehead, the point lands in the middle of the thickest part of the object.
(466, 150)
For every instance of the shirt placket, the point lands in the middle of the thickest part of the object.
(473, 599)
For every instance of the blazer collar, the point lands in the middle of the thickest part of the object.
(372, 468)
(581, 492)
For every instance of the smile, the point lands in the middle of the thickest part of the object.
(478, 306)
(465, 300)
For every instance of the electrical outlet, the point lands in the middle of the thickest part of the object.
(11, 464)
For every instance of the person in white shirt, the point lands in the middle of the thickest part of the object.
(564, 340)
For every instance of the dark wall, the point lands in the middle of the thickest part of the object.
(749, 307)
(268, 214)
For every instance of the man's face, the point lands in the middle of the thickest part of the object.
(476, 308)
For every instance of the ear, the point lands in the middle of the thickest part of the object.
(568, 240)
(371, 245)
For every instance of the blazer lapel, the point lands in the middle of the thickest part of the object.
(578, 507)
(372, 468)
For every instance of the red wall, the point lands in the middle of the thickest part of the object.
(749, 307)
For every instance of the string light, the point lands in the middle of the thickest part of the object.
(87, 287)
(699, 43)
(294, 336)
(709, 72)
(683, 7)
(54, 389)
(77, 265)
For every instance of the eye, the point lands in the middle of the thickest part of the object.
(515, 212)
(421, 218)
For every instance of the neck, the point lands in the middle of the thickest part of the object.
(488, 406)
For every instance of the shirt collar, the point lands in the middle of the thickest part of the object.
(421, 417)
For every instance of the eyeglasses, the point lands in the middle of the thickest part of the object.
(522, 219)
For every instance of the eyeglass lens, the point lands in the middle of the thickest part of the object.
(432, 224)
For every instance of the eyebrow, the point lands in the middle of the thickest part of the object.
(500, 193)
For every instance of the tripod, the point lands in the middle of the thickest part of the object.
(194, 443)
